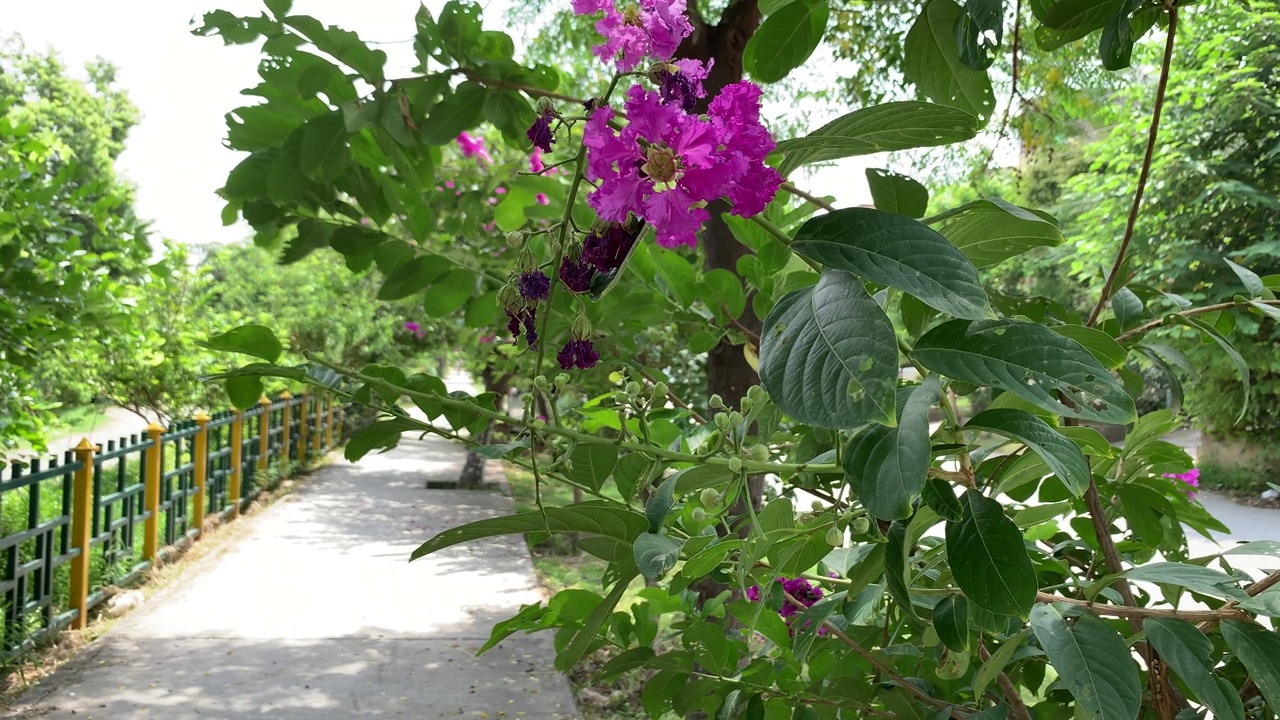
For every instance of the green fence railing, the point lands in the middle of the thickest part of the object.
(101, 515)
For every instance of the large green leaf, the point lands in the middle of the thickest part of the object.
(996, 663)
(454, 113)
(895, 250)
(587, 635)
(992, 230)
(828, 355)
(1092, 660)
(1062, 456)
(785, 40)
(1189, 653)
(1203, 580)
(256, 340)
(1259, 651)
(1099, 344)
(413, 276)
(655, 555)
(989, 558)
(324, 147)
(610, 521)
(448, 293)
(1030, 361)
(880, 128)
(897, 570)
(381, 435)
(951, 621)
(932, 62)
(886, 467)
(244, 391)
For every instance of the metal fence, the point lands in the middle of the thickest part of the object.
(96, 518)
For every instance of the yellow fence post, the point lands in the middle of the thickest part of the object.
(151, 495)
(200, 459)
(328, 428)
(285, 417)
(81, 511)
(264, 433)
(317, 438)
(304, 418)
(237, 450)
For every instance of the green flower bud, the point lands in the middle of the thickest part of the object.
(860, 525)
(835, 538)
(745, 404)
(722, 420)
(515, 239)
(735, 465)
(540, 383)
(632, 388)
(758, 453)
(710, 497)
(735, 418)
(659, 390)
(581, 326)
(699, 515)
(817, 506)
(717, 402)
(545, 106)
(562, 380)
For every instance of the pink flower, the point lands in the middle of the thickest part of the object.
(535, 161)
(653, 29)
(499, 191)
(448, 184)
(666, 164)
(473, 148)
(415, 328)
(542, 199)
(1191, 478)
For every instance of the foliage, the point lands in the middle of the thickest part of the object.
(995, 568)
(68, 238)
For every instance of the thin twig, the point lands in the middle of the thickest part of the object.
(1017, 708)
(1253, 590)
(1152, 134)
(814, 199)
(675, 400)
(1138, 613)
(1147, 327)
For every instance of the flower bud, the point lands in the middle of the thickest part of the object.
(699, 515)
(745, 404)
(817, 506)
(540, 383)
(735, 465)
(735, 418)
(835, 538)
(758, 453)
(710, 497)
(717, 402)
(562, 380)
(581, 326)
(545, 106)
(659, 390)
(722, 420)
(515, 239)
(632, 389)
(860, 525)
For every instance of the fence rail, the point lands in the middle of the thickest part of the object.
(101, 515)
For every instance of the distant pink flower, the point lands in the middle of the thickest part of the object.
(535, 161)
(1191, 478)
(448, 184)
(542, 199)
(474, 148)
(487, 338)
(487, 227)
(415, 328)
(499, 191)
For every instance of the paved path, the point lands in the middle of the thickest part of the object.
(311, 612)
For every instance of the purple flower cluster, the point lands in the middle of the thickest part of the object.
(655, 29)
(800, 589)
(607, 246)
(1191, 478)
(578, 353)
(576, 275)
(534, 286)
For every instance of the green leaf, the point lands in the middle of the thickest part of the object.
(1062, 456)
(989, 558)
(1189, 653)
(383, 434)
(726, 291)
(1203, 580)
(701, 476)
(880, 128)
(501, 450)
(951, 621)
(659, 504)
(248, 179)
(448, 293)
(992, 230)
(632, 470)
(510, 113)
(1093, 662)
(939, 495)
(578, 646)
(1030, 361)
(828, 355)
(1128, 307)
(1242, 367)
(456, 112)
(655, 555)
(1099, 344)
(979, 32)
(244, 391)
(1115, 48)
(607, 520)
(1253, 286)
(345, 46)
(256, 340)
(411, 277)
(896, 193)
(325, 155)
(996, 663)
(627, 660)
(1259, 651)
(896, 568)
(785, 40)
(897, 251)
(932, 62)
(592, 464)
(886, 467)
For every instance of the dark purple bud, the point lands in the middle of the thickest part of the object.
(677, 89)
(534, 286)
(530, 320)
(540, 132)
(578, 353)
(576, 275)
(513, 324)
(607, 246)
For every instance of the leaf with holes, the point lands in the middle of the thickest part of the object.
(932, 62)
(1030, 361)
(895, 250)
(828, 355)
(1062, 456)
(886, 467)
(1093, 662)
(989, 558)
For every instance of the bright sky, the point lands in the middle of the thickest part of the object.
(184, 84)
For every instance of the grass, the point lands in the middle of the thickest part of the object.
(559, 567)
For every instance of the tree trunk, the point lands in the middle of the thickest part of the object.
(472, 475)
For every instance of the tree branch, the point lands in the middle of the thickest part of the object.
(1147, 327)
(1152, 134)
(1138, 613)
(789, 187)
(1017, 708)
(1253, 590)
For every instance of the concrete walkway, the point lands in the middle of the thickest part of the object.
(310, 611)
